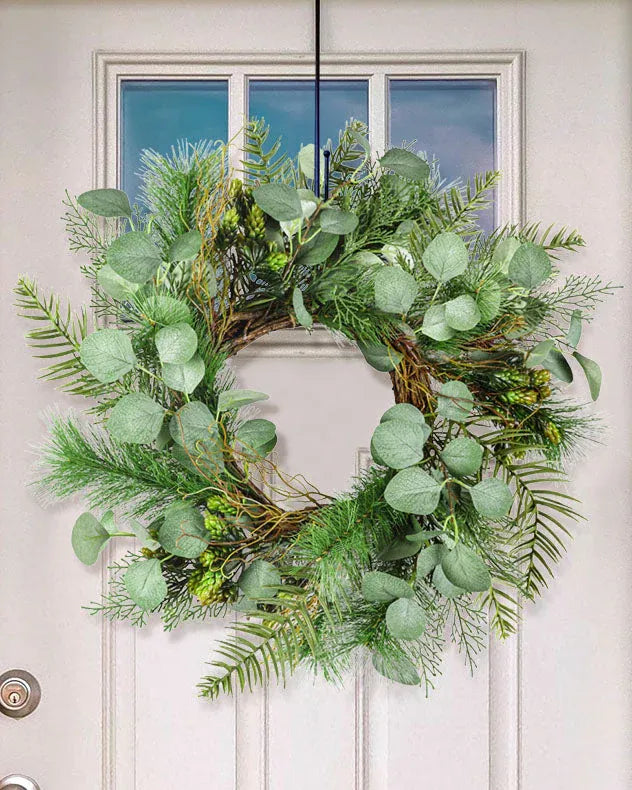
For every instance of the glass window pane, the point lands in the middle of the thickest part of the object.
(157, 113)
(453, 120)
(288, 107)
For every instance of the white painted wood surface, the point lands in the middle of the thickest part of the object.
(118, 712)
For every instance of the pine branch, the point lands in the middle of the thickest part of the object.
(259, 164)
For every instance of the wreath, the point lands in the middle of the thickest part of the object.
(462, 514)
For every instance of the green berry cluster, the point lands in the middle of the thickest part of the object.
(523, 387)
(276, 260)
(552, 433)
(210, 586)
(255, 224)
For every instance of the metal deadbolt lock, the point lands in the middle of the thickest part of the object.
(18, 782)
(20, 694)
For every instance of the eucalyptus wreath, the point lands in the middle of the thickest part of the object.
(463, 513)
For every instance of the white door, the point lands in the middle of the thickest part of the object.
(549, 710)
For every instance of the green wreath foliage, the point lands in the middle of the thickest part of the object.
(463, 513)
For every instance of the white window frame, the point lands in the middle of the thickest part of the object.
(507, 68)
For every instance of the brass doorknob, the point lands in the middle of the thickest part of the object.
(18, 782)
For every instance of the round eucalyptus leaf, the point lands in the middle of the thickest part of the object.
(380, 357)
(574, 333)
(445, 257)
(107, 354)
(258, 438)
(492, 498)
(530, 266)
(465, 569)
(592, 371)
(260, 580)
(378, 586)
(338, 221)
(302, 316)
(279, 201)
(199, 446)
(395, 290)
(184, 377)
(397, 668)
(134, 256)
(405, 412)
(106, 203)
(455, 401)
(145, 584)
(114, 285)
(165, 310)
(398, 255)
(405, 619)
(229, 400)
(399, 443)
(399, 549)
(429, 558)
(444, 585)
(185, 247)
(182, 531)
(136, 418)
(366, 259)
(462, 313)
(89, 536)
(142, 533)
(306, 157)
(405, 164)
(317, 249)
(539, 353)
(176, 343)
(435, 324)
(556, 363)
(488, 300)
(462, 456)
(504, 252)
(413, 491)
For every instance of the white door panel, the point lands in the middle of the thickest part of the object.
(118, 710)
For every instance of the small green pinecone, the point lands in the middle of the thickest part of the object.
(552, 433)
(228, 228)
(235, 189)
(215, 526)
(544, 392)
(540, 377)
(255, 224)
(277, 261)
(220, 505)
(514, 377)
(209, 586)
(522, 397)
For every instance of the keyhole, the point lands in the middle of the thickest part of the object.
(14, 698)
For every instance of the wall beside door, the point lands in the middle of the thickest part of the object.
(575, 710)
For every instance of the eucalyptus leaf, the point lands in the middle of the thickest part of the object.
(279, 201)
(504, 252)
(435, 324)
(165, 310)
(488, 300)
(259, 580)
(399, 443)
(405, 164)
(338, 221)
(573, 336)
(405, 619)
(306, 157)
(302, 316)
(318, 249)
(176, 343)
(396, 667)
(530, 266)
(465, 569)
(185, 376)
(429, 558)
(556, 363)
(397, 255)
(106, 202)
(462, 456)
(462, 313)
(142, 534)
(395, 290)
(136, 418)
(89, 536)
(444, 585)
(145, 584)
(413, 491)
(492, 498)
(378, 586)
(366, 259)
(182, 532)
(592, 372)
(455, 401)
(380, 357)
(114, 285)
(196, 434)
(229, 400)
(258, 437)
(539, 353)
(445, 257)
(107, 354)
(405, 412)
(399, 549)
(134, 256)
(185, 247)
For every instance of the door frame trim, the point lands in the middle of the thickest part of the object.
(507, 67)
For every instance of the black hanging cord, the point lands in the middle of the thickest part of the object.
(317, 101)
